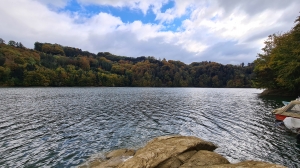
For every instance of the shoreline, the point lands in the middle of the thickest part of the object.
(277, 92)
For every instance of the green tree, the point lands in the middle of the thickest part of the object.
(35, 78)
(20, 45)
(54, 49)
(278, 67)
(2, 41)
(61, 76)
(2, 59)
(4, 75)
(12, 43)
(38, 46)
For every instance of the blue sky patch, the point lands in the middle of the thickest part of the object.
(214, 18)
(167, 6)
(126, 14)
(175, 24)
(72, 6)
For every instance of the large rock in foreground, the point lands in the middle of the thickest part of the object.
(172, 152)
(163, 148)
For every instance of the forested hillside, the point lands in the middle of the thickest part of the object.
(56, 65)
(278, 67)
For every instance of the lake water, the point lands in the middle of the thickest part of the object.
(62, 127)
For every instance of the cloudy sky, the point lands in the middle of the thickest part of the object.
(224, 31)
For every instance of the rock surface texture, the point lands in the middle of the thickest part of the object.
(172, 152)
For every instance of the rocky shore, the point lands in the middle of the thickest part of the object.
(172, 152)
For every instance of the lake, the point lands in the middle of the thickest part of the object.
(62, 127)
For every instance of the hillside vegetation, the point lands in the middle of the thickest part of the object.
(57, 65)
(277, 69)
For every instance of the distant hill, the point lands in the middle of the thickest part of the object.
(57, 65)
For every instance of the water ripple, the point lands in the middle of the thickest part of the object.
(62, 127)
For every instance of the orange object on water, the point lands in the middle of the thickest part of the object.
(280, 117)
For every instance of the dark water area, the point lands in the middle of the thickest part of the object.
(62, 127)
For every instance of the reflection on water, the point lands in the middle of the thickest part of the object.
(62, 127)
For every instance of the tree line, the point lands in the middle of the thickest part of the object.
(56, 65)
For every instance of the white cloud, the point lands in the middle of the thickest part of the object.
(233, 27)
(54, 3)
(29, 19)
(225, 32)
(180, 9)
(102, 23)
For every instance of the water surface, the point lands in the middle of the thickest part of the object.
(62, 127)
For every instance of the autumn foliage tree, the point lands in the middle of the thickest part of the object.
(278, 67)
(56, 65)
